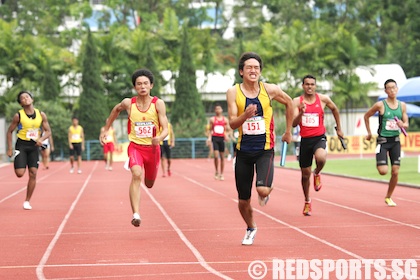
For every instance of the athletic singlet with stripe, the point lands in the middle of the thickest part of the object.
(256, 133)
(143, 125)
(29, 129)
(219, 127)
(312, 123)
(76, 134)
(109, 136)
(387, 125)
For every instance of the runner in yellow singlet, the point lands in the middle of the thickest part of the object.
(28, 122)
(76, 140)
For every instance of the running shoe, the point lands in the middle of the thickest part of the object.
(110, 168)
(249, 236)
(307, 209)
(390, 202)
(136, 220)
(79, 171)
(27, 205)
(72, 170)
(221, 177)
(263, 200)
(317, 182)
(216, 176)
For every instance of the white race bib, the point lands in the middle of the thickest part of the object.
(310, 119)
(32, 134)
(391, 124)
(219, 129)
(144, 129)
(75, 137)
(254, 126)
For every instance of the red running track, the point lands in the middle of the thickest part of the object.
(80, 227)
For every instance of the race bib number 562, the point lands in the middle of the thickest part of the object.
(144, 129)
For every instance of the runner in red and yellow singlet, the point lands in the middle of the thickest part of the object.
(147, 127)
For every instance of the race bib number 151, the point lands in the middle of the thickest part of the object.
(254, 126)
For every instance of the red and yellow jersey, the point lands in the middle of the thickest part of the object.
(312, 123)
(28, 128)
(143, 125)
(256, 133)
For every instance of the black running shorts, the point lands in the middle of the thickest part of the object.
(218, 143)
(262, 162)
(28, 156)
(77, 149)
(165, 150)
(308, 147)
(385, 146)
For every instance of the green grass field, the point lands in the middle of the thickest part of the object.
(366, 168)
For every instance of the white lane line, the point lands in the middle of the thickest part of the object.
(353, 255)
(300, 230)
(367, 213)
(24, 188)
(181, 235)
(44, 259)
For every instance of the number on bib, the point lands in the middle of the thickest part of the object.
(254, 126)
(310, 120)
(391, 124)
(32, 134)
(144, 129)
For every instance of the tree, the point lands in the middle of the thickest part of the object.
(151, 65)
(92, 110)
(188, 116)
(50, 86)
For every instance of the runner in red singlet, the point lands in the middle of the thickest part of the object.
(309, 115)
(218, 136)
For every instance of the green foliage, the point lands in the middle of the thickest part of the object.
(296, 37)
(187, 116)
(92, 110)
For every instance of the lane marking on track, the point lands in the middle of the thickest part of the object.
(181, 235)
(44, 259)
(367, 213)
(37, 181)
(321, 240)
(152, 263)
(408, 200)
